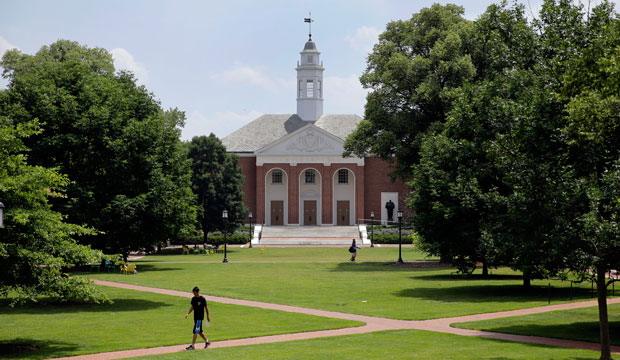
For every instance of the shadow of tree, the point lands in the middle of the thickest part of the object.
(119, 305)
(19, 348)
(492, 293)
(378, 266)
(580, 331)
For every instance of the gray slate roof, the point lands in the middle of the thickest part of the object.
(271, 127)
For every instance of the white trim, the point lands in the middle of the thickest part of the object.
(268, 205)
(352, 215)
(307, 159)
(319, 203)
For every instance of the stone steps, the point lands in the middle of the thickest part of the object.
(308, 235)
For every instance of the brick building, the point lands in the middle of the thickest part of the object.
(293, 166)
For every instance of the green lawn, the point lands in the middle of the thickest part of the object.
(579, 324)
(138, 320)
(378, 289)
(401, 344)
(289, 276)
(295, 254)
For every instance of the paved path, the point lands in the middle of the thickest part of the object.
(372, 324)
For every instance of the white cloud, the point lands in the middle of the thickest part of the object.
(253, 75)
(220, 123)
(123, 60)
(344, 95)
(4, 46)
(364, 39)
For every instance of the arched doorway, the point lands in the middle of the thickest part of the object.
(343, 208)
(276, 197)
(310, 197)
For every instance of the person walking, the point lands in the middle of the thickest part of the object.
(199, 307)
(353, 250)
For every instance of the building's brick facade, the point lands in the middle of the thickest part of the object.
(370, 181)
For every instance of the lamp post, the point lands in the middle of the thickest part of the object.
(225, 217)
(372, 223)
(250, 235)
(400, 240)
(1, 215)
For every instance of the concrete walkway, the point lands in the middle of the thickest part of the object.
(372, 324)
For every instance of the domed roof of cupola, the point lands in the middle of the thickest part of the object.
(310, 45)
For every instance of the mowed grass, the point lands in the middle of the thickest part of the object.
(296, 254)
(400, 344)
(376, 289)
(578, 324)
(138, 320)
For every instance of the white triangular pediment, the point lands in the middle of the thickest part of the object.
(309, 140)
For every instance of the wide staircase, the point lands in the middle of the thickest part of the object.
(309, 235)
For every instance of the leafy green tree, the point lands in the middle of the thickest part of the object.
(412, 72)
(217, 182)
(456, 171)
(37, 245)
(129, 175)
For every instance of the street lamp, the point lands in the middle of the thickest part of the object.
(400, 238)
(250, 235)
(372, 223)
(225, 217)
(1, 215)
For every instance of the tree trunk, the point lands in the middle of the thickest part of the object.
(527, 280)
(485, 269)
(601, 288)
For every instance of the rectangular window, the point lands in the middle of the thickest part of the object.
(309, 89)
(310, 59)
(309, 176)
(301, 89)
(276, 177)
(318, 88)
(343, 176)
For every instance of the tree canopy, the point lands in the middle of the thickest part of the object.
(130, 178)
(523, 170)
(411, 73)
(37, 245)
(217, 182)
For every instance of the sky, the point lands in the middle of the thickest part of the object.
(224, 63)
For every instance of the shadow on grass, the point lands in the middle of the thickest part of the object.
(477, 277)
(379, 266)
(578, 331)
(493, 293)
(31, 348)
(119, 305)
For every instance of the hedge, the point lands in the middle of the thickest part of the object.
(391, 239)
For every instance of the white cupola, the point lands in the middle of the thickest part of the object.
(310, 83)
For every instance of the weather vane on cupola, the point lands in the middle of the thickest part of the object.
(309, 21)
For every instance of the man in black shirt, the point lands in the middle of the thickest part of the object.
(199, 307)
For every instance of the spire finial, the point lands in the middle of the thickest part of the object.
(309, 21)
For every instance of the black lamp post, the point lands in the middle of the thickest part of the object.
(1, 215)
(372, 223)
(400, 240)
(225, 217)
(250, 235)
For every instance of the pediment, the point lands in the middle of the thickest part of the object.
(309, 140)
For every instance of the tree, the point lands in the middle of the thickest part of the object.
(456, 172)
(217, 182)
(412, 72)
(129, 176)
(37, 245)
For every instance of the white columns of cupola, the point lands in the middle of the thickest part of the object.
(310, 83)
